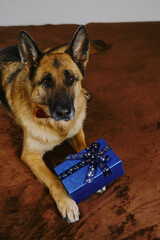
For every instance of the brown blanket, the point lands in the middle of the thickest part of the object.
(125, 110)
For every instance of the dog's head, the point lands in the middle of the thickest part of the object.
(55, 75)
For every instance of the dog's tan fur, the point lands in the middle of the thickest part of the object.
(24, 96)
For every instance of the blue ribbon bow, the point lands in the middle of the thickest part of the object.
(94, 156)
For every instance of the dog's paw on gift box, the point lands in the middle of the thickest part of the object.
(103, 189)
(90, 170)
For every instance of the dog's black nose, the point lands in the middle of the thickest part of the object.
(62, 112)
(62, 108)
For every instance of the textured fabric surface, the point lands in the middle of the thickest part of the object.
(124, 110)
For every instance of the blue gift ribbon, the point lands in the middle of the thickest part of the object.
(94, 156)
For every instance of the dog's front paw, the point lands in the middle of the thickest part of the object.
(69, 210)
(100, 191)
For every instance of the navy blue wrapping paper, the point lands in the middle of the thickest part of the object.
(76, 184)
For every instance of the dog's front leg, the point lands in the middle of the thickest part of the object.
(66, 206)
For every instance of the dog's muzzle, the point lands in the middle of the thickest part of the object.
(63, 112)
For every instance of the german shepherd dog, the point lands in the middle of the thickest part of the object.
(43, 93)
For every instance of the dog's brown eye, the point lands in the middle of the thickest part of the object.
(69, 78)
(47, 81)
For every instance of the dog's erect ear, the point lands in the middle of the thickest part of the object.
(79, 47)
(28, 50)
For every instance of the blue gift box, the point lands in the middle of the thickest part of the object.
(85, 173)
